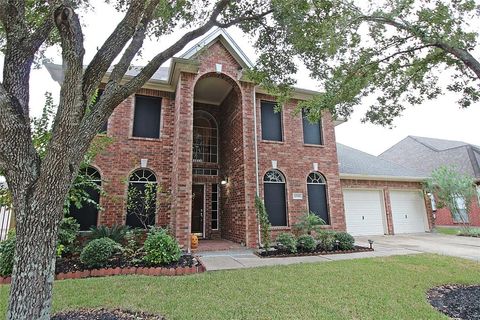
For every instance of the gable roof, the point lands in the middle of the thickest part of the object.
(427, 154)
(219, 34)
(357, 164)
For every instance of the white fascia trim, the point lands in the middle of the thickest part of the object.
(380, 178)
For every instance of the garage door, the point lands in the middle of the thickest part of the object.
(364, 212)
(408, 211)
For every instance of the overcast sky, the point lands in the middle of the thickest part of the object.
(440, 118)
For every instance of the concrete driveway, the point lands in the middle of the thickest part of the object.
(463, 247)
(450, 245)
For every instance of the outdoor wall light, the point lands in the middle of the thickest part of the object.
(224, 182)
(370, 242)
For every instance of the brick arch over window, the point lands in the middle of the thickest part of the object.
(317, 195)
(87, 214)
(235, 85)
(141, 199)
(274, 189)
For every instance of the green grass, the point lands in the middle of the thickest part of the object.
(381, 288)
(447, 230)
(455, 230)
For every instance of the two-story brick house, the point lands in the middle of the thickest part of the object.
(210, 140)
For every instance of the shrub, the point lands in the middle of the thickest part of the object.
(160, 247)
(117, 232)
(7, 254)
(263, 221)
(345, 241)
(326, 239)
(308, 222)
(287, 241)
(307, 242)
(98, 252)
(67, 234)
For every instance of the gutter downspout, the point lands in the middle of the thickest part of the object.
(257, 191)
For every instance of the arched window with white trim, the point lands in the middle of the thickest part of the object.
(87, 214)
(275, 197)
(141, 199)
(205, 137)
(317, 195)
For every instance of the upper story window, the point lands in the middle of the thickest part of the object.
(146, 119)
(312, 131)
(271, 122)
(205, 137)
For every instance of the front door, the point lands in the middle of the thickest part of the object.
(198, 196)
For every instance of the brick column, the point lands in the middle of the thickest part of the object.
(182, 161)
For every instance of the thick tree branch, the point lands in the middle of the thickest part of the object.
(463, 55)
(112, 47)
(135, 45)
(242, 19)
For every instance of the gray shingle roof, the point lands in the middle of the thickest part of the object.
(356, 162)
(427, 154)
(56, 71)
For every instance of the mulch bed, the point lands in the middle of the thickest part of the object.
(456, 301)
(103, 314)
(281, 253)
(72, 264)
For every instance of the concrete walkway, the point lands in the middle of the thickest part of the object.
(463, 247)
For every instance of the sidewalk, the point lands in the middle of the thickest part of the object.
(245, 258)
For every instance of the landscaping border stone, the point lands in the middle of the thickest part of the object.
(107, 272)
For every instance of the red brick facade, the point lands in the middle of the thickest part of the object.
(170, 157)
(386, 186)
(443, 217)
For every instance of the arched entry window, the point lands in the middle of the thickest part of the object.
(90, 183)
(317, 195)
(274, 195)
(141, 199)
(205, 140)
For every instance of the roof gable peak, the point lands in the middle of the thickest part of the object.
(219, 34)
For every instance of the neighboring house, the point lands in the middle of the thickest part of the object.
(427, 154)
(210, 140)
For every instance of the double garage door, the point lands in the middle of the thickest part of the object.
(365, 211)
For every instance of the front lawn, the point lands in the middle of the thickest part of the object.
(380, 288)
(457, 230)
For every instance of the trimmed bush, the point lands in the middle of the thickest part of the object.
(7, 254)
(326, 239)
(160, 248)
(98, 252)
(287, 241)
(306, 242)
(67, 234)
(117, 232)
(345, 241)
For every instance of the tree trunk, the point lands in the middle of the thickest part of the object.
(35, 253)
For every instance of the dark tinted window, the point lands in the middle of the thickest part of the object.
(146, 121)
(271, 122)
(274, 196)
(312, 132)
(317, 196)
(87, 214)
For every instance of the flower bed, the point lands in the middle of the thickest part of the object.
(186, 265)
(281, 253)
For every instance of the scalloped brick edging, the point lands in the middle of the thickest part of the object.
(106, 272)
